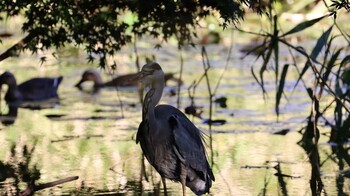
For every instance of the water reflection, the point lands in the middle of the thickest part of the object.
(10, 117)
(19, 169)
(87, 136)
(342, 155)
(339, 156)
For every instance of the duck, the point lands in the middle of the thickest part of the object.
(35, 89)
(126, 80)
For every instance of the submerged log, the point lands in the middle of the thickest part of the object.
(32, 187)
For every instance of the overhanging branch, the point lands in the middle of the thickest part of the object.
(13, 51)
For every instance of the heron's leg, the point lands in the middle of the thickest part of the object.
(143, 169)
(183, 175)
(164, 185)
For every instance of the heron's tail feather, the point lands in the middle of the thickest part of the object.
(197, 184)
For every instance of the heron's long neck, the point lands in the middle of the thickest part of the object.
(151, 99)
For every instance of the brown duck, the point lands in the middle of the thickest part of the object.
(120, 81)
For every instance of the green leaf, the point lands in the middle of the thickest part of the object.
(281, 87)
(264, 65)
(276, 52)
(345, 61)
(257, 80)
(330, 65)
(321, 42)
(275, 48)
(338, 107)
(304, 25)
(346, 73)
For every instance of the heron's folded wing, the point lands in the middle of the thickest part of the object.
(142, 137)
(188, 143)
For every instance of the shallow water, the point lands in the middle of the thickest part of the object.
(93, 135)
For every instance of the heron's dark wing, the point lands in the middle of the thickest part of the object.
(145, 141)
(188, 141)
(139, 134)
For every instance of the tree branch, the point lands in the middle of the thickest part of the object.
(19, 45)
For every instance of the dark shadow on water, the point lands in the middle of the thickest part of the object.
(36, 105)
(340, 156)
(311, 149)
(132, 187)
(90, 91)
(103, 114)
(62, 117)
(18, 168)
(104, 110)
(73, 137)
(282, 184)
(11, 116)
(281, 176)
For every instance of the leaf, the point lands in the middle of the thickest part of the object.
(345, 61)
(338, 107)
(276, 52)
(276, 48)
(304, 25)
(330, 65)
(264, 66)
(281, 87)
(322, 41)
(345, 76)
(257, 80)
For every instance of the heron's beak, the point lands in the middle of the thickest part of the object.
(139, 76)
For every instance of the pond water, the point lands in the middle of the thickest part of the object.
(92, 136)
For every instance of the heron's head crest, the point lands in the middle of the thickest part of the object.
(151, 67)
(150, 72)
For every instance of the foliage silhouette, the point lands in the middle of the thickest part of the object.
(101, 27)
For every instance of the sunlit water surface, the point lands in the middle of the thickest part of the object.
(93, 135)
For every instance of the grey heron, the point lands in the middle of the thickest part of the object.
(172, 144)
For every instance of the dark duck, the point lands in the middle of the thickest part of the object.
(36, 89)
